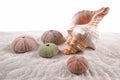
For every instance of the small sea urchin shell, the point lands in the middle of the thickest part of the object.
(52, 36)
(48, 50)
(77, 64)
(23, 44)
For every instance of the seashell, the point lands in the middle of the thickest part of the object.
(77, 64)
(48, 50)
(24, 44)
(52, 36)
(85, 35)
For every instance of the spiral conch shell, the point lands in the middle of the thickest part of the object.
(83, 32)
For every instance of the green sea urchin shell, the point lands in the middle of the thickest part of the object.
(48, 50)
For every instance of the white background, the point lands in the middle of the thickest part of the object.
(37, 15)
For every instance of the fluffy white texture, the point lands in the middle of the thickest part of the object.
(104, 62)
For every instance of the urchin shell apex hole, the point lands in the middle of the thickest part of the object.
(47, 44)
(51, 30)
(23, 37)
(77, 60)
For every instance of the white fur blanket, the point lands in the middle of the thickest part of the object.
(104, 62)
